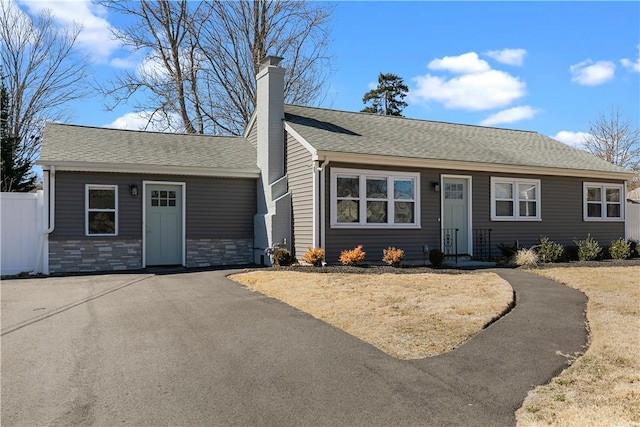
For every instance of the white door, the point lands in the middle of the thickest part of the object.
(455, 216)
(163, 228)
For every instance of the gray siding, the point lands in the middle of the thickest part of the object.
(561, 210)
(216, 207)
(252, 136)
(300, 178)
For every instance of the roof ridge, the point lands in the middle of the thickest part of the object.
(383, 117)
(143, 131)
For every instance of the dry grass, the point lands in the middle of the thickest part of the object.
(408, 316)
(602, 388)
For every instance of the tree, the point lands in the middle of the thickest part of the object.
(387, 98)
(612, 138)
(16, 173)
(42, 73)
(201, 59)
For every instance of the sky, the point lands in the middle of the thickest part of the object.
(550, 67)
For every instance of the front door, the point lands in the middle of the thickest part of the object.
(455, 216)
(163, 224)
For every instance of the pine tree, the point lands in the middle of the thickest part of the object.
(387, 98)
(16, 177)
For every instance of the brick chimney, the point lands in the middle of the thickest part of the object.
(272, 223)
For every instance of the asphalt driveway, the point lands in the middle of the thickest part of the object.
(198, 349)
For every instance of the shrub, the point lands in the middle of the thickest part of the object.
(314, 256)
(549, 251)
(508, 251)
(392, 256)
(436, 257)
(526, 257)
(282, 257)
(633, 248)
(570, 253)
(620, 249)
(352, 257)
(588, 249)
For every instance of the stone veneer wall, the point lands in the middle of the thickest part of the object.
(68, 256)
(210, 252)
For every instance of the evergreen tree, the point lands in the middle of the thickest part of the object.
(387, 98)
(16, 173)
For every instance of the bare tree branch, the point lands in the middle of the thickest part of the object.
(612, 138)
(201, 61)
(43, 73)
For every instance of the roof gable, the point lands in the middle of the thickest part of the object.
(332, 131)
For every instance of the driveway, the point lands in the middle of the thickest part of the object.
(198, 349)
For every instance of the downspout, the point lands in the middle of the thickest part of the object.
(51, 196)
(323, 198)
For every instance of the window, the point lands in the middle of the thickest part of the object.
(603, 202)
(163, 198)
(374, 199)
(515, 199)
(101, 203)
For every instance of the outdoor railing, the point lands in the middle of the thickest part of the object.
(482, 243)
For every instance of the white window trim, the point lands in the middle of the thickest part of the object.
(516, 200)
(603, 186)
(363, 174)
(86, 208)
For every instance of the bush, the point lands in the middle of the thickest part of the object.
(282, 257)
(314, 256)
(436, 257)
(588, 249)
(392, 256)
(620, 249)
(633, 248)
(508, 251)
(352, 257)
(549, 251)
(526, 257)
(570, 253)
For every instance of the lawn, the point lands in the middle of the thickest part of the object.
(603, 386)
(408, 316)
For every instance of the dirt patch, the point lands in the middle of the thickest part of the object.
(408, 316)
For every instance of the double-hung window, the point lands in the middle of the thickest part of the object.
(603, 202)
(101, 210)
(514, 199)
(375, 199)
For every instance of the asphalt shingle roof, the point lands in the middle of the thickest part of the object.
(71, 143)
(370, 134)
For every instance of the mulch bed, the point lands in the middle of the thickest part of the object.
(382, 269)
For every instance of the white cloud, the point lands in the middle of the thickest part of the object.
(95, 38)
(145, 120)
(467, 63)
(508, 56)
(476, 87)
(482, 91)
(589, 73)
(510, 115)
(574, 139)
(632, 66)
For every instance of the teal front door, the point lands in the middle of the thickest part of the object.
(455, 216)
(163, 224)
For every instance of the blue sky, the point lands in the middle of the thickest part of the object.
(546, 66)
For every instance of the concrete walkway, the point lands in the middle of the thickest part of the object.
(198, 349)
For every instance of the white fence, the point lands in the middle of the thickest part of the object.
(633, 221)
(22, 221)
